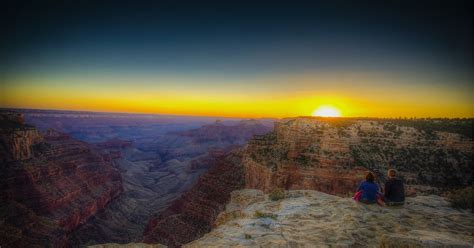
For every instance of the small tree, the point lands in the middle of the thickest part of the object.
(277, 194)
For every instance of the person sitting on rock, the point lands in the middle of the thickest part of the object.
(368, 191)
(394, 192)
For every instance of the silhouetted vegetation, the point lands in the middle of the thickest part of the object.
(341, 132)
(259, 214)
(337, 121)
(303, 160)
(12, 120)
(277, 194)
(462, 198)
(460, 126)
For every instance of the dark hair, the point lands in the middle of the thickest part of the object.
(370, 177)
(392, 173)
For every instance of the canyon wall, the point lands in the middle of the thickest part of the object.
(327, 155)
(332, 155)
(50, 184)
(16, 138)
(193, 214)
(156, 171)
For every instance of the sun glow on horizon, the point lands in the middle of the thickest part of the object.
(327, 111)
(265, 97)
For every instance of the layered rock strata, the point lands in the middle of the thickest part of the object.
(194, 213)
(156, 172)
(50, 185)
(332, 155)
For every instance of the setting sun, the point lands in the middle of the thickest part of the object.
(327, 111)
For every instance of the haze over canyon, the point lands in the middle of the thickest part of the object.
(141, 124)
(82, 178)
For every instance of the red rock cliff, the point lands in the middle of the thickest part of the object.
(332, 155)
(328, 155)
(301, 154)
(16, 138)
(55, 185)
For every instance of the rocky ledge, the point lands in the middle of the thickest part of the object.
(306, 218)
(130, 245)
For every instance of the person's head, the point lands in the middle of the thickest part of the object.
(370, 177)
(392, 173)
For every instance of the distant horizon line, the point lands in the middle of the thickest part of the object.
(224, 117)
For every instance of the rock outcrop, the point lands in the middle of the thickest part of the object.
(332, 155)
(16, 138)
(49, 185)
(315, 219)
(130, 245)
(193, 214)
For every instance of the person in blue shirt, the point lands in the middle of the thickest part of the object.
(368, 190)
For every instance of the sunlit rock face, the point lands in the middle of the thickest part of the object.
(306, 218)
(327, 155)
(332, 155)
(50, 186)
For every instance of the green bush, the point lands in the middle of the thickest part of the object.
(277, 194)
(462, 198)
(248, 236)
(259, 214)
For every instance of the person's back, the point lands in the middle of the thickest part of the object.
(394, 192)
(369, 191)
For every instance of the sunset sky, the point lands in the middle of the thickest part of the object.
(240, 60)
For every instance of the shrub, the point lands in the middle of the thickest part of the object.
(461, 198)
(277, 194)
(247, 236)
(259, 214)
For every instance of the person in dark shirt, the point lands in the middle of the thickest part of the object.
(394, 191)
(368, 190)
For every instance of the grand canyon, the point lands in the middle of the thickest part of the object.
(215, 124)
(74, 179)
